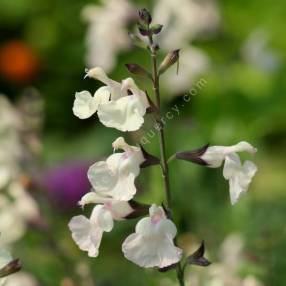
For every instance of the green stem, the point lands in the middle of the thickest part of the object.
(164, 163)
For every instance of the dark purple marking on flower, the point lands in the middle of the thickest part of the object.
(194, 156)
(168, 268)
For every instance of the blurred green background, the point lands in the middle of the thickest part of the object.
(243, 99)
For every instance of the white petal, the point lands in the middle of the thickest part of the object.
(150, 252)
(249, 169)
(102, 95)
(93, 198)
(86, 236)
(154, 210)
(239, 177)
(120, 143)
(125, 188)
(84, 105)
(120, 209)
(114, 86)
(101, 177)
(152, 243)
(232, 166)
(102, 217)
(168, 227)
(215, 155)
(242, 146)
(125, 114)
(129, 84)
(113, 162)
(235, 190)
(144, 227)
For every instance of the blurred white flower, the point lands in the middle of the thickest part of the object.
(115, 176)
(181, 26)
(152, 243)
(251, 281)
(238, 175)
(193, 62)
(10, 141)
(119, 105)
(17, 208)
(21, 279)
(257, 53)
(225, 272)
(87, 233)
(106, 34)
(185, 20)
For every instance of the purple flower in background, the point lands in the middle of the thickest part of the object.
(66, 183)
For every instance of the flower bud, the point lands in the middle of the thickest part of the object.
(144, 31)
(194, 156)
(156, 29)
(145, 16)
(12, 267)
(150, 160)
(138, 70)
(170, 59)
(197, 258)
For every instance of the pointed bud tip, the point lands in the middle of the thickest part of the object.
(170, 59)
(145, 16)
(137, 70)
(12, 267)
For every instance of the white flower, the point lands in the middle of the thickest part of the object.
(17, 208)
(257, 52)
(107, 32)
(239, 175)
(87, 233)
(152, 243)
(215, 155)
(115, 176)
(182, 25)
(21, 279)
(119, 105)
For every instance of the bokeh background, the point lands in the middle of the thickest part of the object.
(238, 49)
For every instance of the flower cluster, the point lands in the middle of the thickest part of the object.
(122, 105)
(113, 189)
(118, 105)
(17, 207)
